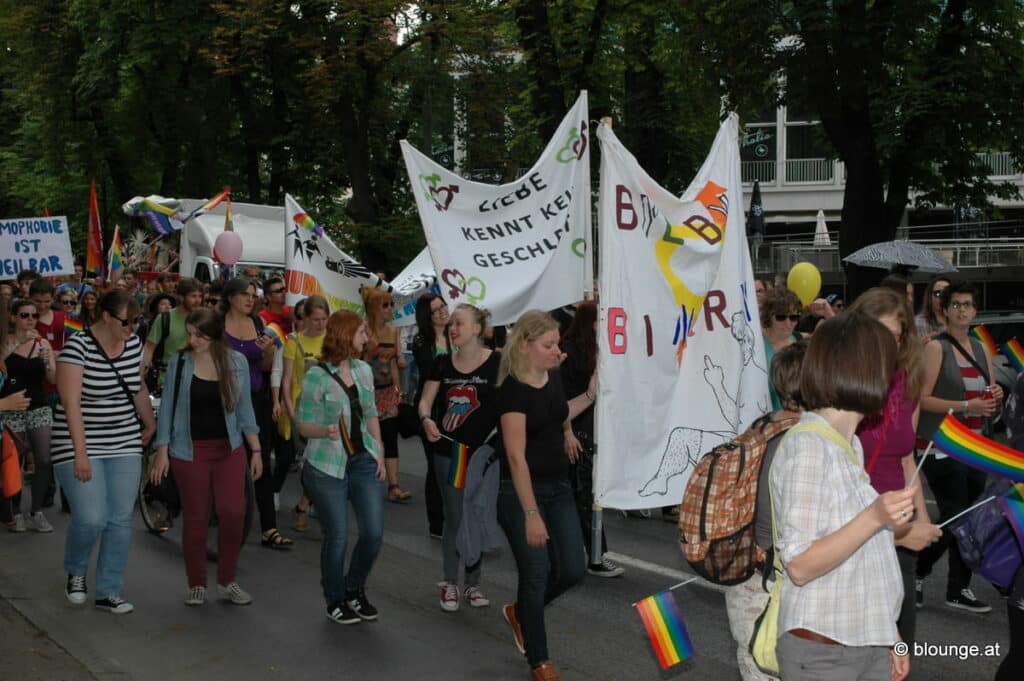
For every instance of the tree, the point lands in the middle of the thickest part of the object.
(907, 92)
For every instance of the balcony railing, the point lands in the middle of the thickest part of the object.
(810, 170)
(1000, 163)
(762, 171)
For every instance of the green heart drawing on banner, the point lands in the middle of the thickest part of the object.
(579, 247)
(429, 184)
(568, 152)
(481, 290)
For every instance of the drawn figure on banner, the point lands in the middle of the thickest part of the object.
(699, 238)
(433, 191)
(685, 447)
(347, 268)
(473, 288)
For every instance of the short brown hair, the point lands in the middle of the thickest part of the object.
(848, 365)
(341, 329)
(785, 374)
(187, 285)
(778, 300)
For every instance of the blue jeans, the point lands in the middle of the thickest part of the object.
(331, 496)
(544, 573)
(101, 509)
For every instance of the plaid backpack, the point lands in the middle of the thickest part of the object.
(716, 518)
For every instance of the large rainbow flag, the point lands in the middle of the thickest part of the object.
(963, 444)
(982, 334)
(665, 627)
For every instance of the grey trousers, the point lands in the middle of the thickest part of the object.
(802, 660)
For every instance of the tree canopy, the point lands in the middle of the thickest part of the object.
(311, 97)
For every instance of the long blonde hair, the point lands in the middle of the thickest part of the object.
(529, 327)
(880, 302)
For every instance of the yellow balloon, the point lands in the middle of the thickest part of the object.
(805, 281)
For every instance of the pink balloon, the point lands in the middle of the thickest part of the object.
(228, 248)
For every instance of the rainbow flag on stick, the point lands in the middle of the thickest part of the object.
(275, 332)
(963, 444)
(1013, 506)
(210, 204)
(665, 627)
(982, 334)
(1014, 352)
(116, 261)
(460, 463)
(72, 326)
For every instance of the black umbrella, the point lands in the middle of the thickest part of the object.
(755, 219)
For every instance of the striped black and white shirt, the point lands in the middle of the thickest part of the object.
(111, 428)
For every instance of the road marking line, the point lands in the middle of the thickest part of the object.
(662, 570)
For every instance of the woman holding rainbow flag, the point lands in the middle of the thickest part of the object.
(467, 382)
(958, 377)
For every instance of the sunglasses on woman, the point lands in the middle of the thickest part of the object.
(784, 317)
(125, 323)
(29, 315)
(68, 301)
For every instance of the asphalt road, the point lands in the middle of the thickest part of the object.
(594, 633)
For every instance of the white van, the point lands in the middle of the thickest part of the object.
(261, 229)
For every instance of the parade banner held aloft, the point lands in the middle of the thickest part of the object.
(417, 278)
(515, 246)
(313, 264)
(38, 244)
(681, 358)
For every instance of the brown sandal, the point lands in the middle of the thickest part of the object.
(397, 495)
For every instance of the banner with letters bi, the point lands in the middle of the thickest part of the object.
(42, 245)
(681, 359)
(517, 246)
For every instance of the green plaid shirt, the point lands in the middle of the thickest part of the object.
(323, 403)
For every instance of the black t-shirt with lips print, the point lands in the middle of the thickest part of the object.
(468, 402)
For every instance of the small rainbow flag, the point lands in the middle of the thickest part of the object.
(1014, 352)
(276, 333)
(210, 204)
(1013, 506)
(116, 260)
(665, 628)
(303, 220)
(963, 444)
(460, 463)
(72, 326)
(982, 334)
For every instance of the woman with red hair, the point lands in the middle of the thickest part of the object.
(337, 414)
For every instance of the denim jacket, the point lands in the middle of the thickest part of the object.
(178, 436)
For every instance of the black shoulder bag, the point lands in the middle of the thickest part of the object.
(157, 365)
(120, 379)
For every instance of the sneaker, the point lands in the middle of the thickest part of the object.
(196, 595)
(18, 524)
(40, 523)
(967, 601)
(449, 596)
(475, 597)
(75, 589)
(342, 614)
(509, 613)
(234, 593)
(361, 605)
(605, 568)
(919, 593)
(114, 604)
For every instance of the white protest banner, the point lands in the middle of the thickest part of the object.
(516, 246)
(314, 265)
(38, 244)
(417, 278)
(681, 359)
